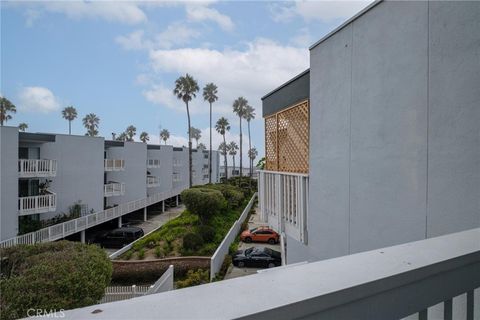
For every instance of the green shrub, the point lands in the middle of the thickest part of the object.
(128, 255)
(141, 254)
(158, 252)
(231, 193)
(203, 202)
(207, 233)
(192, 241)
(194, 278)
(56, 275)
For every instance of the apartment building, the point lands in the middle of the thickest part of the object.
(378, 143)
(235, 172)
(44, 175)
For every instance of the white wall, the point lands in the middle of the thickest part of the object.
(165, 171)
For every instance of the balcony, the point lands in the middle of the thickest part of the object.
(177, 163)
(152, 182)
(176, 177)
(37, 204)
(114, 165)
(284, 202)
(37, 168)
(153, 163)
(112, 189)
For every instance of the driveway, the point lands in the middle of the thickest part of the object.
(235, 272)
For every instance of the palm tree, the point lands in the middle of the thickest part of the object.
(239, 107)
(223, 149)
(232, 148)
(144, 137)
(185, 90)
(69, 113)
(196, 134)
(6, 107)
(201, 146)
(122, 137)
(23, 126)
(90, 122)
(249, 116)
(252, 154)
(164, 135)
(131, 131)
(222, 126)
(210, 94)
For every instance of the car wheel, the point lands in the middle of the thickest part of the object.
(241, 264)
(271, 265)
(271, 241)
(248, 239)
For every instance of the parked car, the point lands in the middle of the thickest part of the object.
(257, 257)
(120, 237)
(260, 234)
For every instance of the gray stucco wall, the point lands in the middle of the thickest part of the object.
(395, 141)
(8, 182)
(79, 171)
(182, 170)
(164, 172)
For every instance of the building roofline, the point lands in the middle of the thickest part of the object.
(343, 25)
(36, 137)
(286, 83)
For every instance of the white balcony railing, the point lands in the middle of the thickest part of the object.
(177, 163)
(37, 168)
(114, 164)
(176, 177)
(152, 181)
(153, 163)
(37, 204)
(114, 189)
(283, 201)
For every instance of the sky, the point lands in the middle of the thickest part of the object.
(120, 60)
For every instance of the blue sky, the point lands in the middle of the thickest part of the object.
(120, 60)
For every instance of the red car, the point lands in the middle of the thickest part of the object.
(260, 234)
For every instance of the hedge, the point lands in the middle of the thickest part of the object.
(204, 202)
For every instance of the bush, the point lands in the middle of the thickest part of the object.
(192, 241)
(158, 252)
(52, 276)
(141, 254)
(207, 233)
(203, 202)
(194, 278)
(128, 255)
(231, 193)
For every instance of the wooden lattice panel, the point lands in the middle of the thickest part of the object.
(287, 139)
(271, 143)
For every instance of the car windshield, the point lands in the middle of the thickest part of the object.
(248, 251)
(254, 229)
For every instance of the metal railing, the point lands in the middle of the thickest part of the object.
(152, 181)
(114, 165)
(283, 199)
(114, 189)
(153, 163)
(37, 168)
(70, 227)
(37, 204)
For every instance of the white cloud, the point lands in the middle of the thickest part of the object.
(37, 99)
(201, 12)
(303, 38)
(326, 11)
(133, 41)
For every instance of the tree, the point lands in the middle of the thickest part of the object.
(239, 108)
(69, 113)
(185, 89)
(122, 137)
(6, 107)
(222, 126)
(144, 137)
(232, 148)
(131, 131)
(210, 94)
(249, 116)
(196, 134)
(164, 135)
(23, 126)
(252, 154)
(201, 146)
(90, 122)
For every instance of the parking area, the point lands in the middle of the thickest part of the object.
(235, 272)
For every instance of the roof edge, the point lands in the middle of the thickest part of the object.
(286, 83)
(343, 25)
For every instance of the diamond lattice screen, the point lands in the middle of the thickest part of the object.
(286, 139)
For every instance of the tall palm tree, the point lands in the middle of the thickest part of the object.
(144, 137)
(223, 149)
(6, 107)
(222, 126)
(122, 137)
(210, 94)
(252, 154)
(185, 89)
(249, 116)
(239, 107)
(91, 122)
(69, 113)
(165, 135)
(131, 131)
(23, 126)
(196, 134)
(232, 148)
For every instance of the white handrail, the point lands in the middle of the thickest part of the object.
(114, 164)
(153, 163)
(37, 204)
(37, 168)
